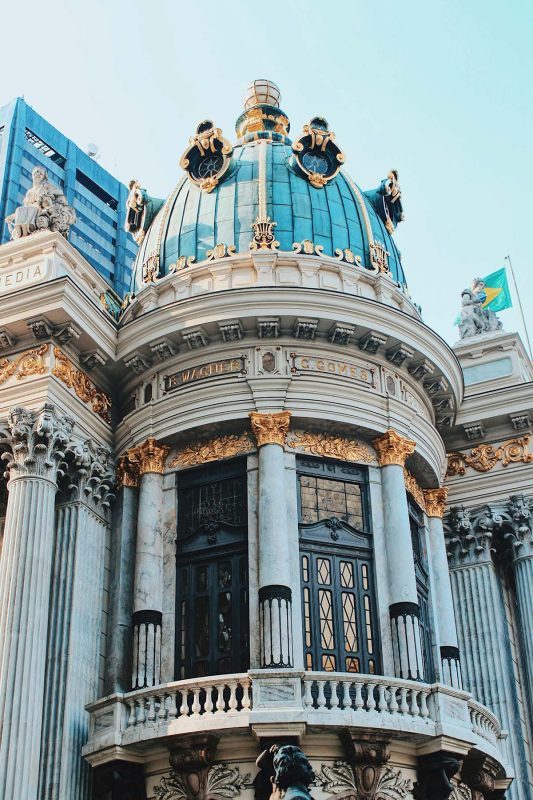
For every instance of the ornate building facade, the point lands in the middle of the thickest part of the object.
(264, 506)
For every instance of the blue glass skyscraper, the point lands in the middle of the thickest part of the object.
(28, 140)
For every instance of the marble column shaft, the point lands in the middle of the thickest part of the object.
(119, 659)
(486, 656)
(523, 570)
(25, 572)
(442, 590)
(84, 651)
(392, 451)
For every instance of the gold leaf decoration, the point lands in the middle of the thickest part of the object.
(28, 363)
(325, 444)
(84, 388)
(411, 485)
(485, 456)
(212, 450)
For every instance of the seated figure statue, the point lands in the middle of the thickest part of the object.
(45, 207)
(292, 773)
(140, 210)
(474, 319)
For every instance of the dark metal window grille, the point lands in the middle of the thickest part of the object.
(212, 571)
(338, 598)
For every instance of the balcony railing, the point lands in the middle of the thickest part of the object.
(394, 706)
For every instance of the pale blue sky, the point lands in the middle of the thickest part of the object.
(440, 91)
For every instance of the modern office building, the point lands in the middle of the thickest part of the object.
(265, 507)
(27, 140)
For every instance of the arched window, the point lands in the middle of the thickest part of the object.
(422, 586)
(212, 571)
(337, 570)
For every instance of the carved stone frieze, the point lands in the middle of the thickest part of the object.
(421, 369)
(397, 355)
(268, 327)
(435, 772)
(66, 333)
(219, 781)
(163, 349)
(435, 501)
(270, 428)
(520, 422)
(485, 456)
(150, 456)
(212, 450)
(31, 362)
(412, 486)
(195, 339)
(40, 327)
(84, 388)
(331, 446)
(37, 441)
(231, 331)
(340, 779)
(138, 363)
(393, 448)
(7, 339)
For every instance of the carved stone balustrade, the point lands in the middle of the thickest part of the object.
(395, 707)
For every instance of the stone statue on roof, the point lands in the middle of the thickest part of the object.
(140, 210)
(45, 207)
(474, 319)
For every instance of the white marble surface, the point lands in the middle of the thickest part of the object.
(148, 591)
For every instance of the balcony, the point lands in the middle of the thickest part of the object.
(398, 708)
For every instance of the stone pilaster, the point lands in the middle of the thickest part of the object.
(119, 658)
(435, 500)
(392, 450)
(275, 594)
(148, 585)
(37, 441)
(486, 662)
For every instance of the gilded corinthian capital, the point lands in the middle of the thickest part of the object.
(150, 456)
(435, 501)
(270, 428)
(127, 472)
(393, 448)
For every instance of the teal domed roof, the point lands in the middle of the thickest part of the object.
(261, 169)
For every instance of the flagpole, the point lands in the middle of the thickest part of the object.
(508, 258)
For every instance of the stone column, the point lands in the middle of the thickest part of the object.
(486, 663)
(148, 584)
(119, 659)
(442, 590)
(520, 537)
(275, 595)
(392, 450)
(37, 440)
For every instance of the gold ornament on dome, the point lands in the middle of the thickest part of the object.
(84, 388)
(411, 485)
(264, 238)
(181, 263)
(127, 472)
(348, 256)
(393, 448)
(270, 428)
(331, 446)
(485, 456)
(208, 156)
(435, 501)
(150, 456)
(314, 147)
(212, 450)
(308, 247)
(221, 251)
(28, 363)
(379, 257)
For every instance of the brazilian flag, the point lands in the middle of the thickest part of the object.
(496, 291)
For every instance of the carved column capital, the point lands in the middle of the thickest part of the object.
(38, 440)
(150, 456)
(435, 501)
(270, 428)
(519, 534)
(469, 535)
(127, 472)
(87, 474)
(393, 448)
